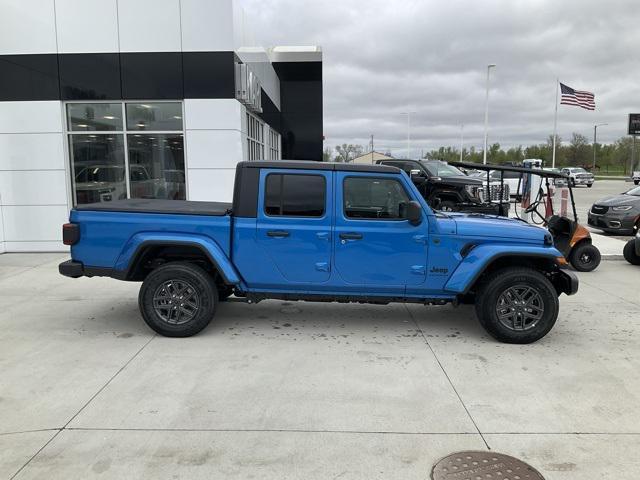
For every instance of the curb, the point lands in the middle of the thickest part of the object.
(612, 256)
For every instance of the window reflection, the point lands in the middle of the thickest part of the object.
(154, 116)
(98, 168)
(100, 158)
(94, 116)
(156, 166)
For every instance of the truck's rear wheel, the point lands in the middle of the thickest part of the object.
(178, 299)
(517, 305)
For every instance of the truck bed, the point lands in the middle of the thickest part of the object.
(145, 205)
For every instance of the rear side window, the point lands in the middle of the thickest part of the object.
(374, 198)
(292, 195)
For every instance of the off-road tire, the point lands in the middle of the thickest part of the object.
(178, 273)
(495, 284)
(630, 254)
(582, 251)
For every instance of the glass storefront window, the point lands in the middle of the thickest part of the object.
(115, 160)
(156, 166)
(255, 138)
(154, 116)
(87, 117)
(98, 168)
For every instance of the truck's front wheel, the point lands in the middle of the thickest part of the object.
(517, 305)
(178, 299)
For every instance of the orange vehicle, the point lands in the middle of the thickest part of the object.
(572, 239)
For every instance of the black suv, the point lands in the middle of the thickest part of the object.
(447, 188)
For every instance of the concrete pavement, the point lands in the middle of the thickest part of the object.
(303, 390)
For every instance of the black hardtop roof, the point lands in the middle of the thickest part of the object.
(508, 168)
(313, 165)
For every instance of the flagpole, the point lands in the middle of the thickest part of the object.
(555, 127)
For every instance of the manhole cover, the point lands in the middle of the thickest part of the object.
(483, 466)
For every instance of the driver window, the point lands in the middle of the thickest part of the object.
(374, 198)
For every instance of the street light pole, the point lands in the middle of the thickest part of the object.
(486, 116)
(461, 140)
(408, 114)
(595, 139)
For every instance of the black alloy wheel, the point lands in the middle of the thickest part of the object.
(178, 299)
(517, 305)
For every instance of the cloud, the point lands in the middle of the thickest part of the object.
(382, 58)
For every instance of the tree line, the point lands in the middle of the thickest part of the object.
(577, 152)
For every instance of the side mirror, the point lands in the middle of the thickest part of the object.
(417, 177)
(412, 211)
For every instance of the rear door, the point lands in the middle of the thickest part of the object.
(294, 224)
(374, 245)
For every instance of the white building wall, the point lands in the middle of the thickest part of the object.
(206, 25)
(149, 26)
(35, 194)
(213, 145)
(33, 178)
(76, 26)
(28, 26)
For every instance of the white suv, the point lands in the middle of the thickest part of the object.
(635, 176)
(579, 176)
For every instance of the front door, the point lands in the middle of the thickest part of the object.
(374, 245)
(294, 225)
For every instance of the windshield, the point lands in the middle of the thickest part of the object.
(578, 170)
(442, 169)
(634, 191)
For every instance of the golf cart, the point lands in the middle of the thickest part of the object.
(571, 238)
(631, 250)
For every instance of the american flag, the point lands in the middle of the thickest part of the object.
(578, 98)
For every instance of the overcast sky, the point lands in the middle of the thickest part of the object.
(382, 58)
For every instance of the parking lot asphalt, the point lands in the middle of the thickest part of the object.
(302, 390)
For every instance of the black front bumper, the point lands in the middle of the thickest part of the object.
(566, 281)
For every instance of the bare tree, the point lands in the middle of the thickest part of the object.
(347, 152)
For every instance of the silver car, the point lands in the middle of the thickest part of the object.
(579, 176)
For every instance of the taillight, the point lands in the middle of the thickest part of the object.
(70, 233)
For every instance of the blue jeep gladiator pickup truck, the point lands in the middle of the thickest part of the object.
(319, 232)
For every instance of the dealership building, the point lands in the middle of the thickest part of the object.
(110, 99)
